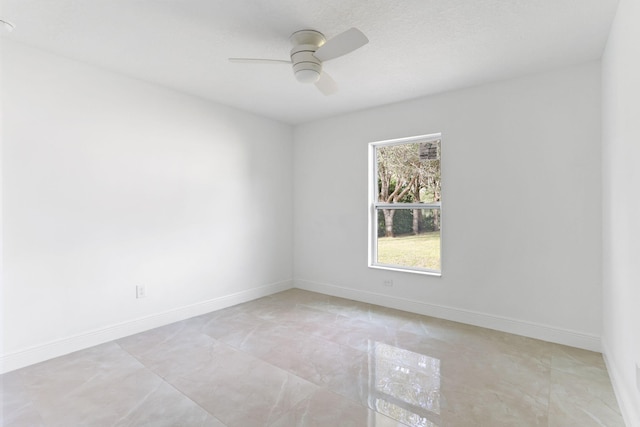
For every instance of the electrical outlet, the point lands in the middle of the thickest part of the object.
(141, 291)
(388, 283)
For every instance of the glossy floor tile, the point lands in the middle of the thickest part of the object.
(299, 358)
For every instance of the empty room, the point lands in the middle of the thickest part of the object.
(337, 213)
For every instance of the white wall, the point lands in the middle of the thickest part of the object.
(110, 182)
(621, 185)
(521, 204)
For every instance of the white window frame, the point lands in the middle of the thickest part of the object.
(375, 205)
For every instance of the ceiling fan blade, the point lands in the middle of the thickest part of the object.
(341, 44)
(326, 84)
(259, 61)
(9, 26)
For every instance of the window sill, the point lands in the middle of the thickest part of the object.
(407, 270)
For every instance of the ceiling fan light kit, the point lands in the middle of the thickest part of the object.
(307, 73)
(310, 49)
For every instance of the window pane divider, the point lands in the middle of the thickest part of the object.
(406, 205)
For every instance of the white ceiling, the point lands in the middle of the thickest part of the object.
(416, 48)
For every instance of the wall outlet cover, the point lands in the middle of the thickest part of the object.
(141, 291)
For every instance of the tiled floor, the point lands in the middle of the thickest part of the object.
(304, 359)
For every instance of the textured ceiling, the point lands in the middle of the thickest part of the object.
(416, 48)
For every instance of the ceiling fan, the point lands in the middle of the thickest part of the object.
(310, 50)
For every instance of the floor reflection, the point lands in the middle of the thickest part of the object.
(404, 385)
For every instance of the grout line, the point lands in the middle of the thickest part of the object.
(165, 381)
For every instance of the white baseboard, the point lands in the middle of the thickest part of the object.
(499, 323)
(36, 354)
(626, 400)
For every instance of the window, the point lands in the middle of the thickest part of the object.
(405, 216)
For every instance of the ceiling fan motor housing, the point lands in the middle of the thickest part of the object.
(306, 67)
